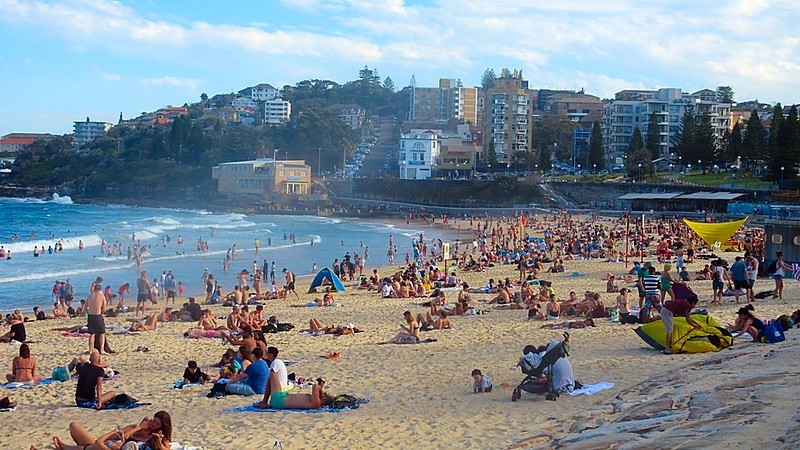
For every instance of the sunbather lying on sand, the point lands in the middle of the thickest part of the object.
(588, 323)
(148, 323)
(315, 326)
(278, 399)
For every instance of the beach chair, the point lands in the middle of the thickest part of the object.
(539, 379)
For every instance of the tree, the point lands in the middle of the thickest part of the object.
(551, 130)
(545, 160)
(491, 157)
(204, 98)
(754, 141)
(705, 141)
(596, 154)
(684, 140)
(784, 146)
(488, 80)
(653, 137)
(635, 151)
(724, 94)
(388, 84)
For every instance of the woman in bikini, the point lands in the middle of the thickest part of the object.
(408, 335)
(156, 432)
(23, 367)
(208, 322)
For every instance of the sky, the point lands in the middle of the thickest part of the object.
(65, 60)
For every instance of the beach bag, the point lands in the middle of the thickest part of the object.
(343, 401)
(61, 373)
(764, 294)
(773, 332)
(613, 313)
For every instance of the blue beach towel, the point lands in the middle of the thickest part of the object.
(178, 383)
(251, 408)
(577, 274)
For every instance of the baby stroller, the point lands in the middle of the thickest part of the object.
(539, 379)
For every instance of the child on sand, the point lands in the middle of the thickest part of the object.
(193, 374)
(482, 383)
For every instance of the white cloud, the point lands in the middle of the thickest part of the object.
(110, 76)
(186, 83)
(606, 44)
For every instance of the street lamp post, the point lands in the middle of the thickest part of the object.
(781, 186)
(594, 168)
(680, 163)
(639, 177)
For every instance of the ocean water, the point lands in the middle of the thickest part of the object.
(27, 281)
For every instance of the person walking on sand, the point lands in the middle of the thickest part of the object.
(142, 292)
(290, 283)
(96, 307)
(674, 308)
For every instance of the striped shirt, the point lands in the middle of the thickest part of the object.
(651, 284)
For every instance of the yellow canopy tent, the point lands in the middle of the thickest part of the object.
(716, 232)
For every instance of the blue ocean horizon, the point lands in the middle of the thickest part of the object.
(27, 281)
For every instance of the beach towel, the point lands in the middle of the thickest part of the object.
(180, 383)
(591, 389)
(8, 409)
(179, 446)
(577, 274)
(121, 401)
(251, 408)
(21, 385)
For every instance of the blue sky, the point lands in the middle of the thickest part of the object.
(64, 60)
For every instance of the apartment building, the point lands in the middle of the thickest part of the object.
(632, 108)
(87, 131)
(261, 92)
(507, 114)
(263, 177)
(444, 103)
(277, 111)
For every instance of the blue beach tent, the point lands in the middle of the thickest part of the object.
(326, 277)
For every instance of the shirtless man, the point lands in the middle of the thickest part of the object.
(96, 307)
(234, 320)
(290, 287)
(279, 399)
(246, 339)
(503, 298)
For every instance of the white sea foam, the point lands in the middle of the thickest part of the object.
(62, 199)
(70, 243)
(57, 275)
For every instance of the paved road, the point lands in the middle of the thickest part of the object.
(373, 163)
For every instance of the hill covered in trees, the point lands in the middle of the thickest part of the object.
(164, 160)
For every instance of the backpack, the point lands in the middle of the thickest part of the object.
(717, 276)
(773, 332)
(61, 373)
(773, 267)
(343, 401)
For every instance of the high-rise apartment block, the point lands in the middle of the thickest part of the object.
(87, 131)
(633, 108)
(507, 114)
(449, 101)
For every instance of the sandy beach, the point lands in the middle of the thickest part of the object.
(420, 395)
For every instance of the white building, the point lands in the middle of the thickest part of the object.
(632, 108)
(419, 152)
(277, 111)
(261, 92)
(243, 102)
(88, 131)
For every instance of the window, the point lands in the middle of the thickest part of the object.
(303, 173)
(283, 173)
(777, 238)
(291, 173)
